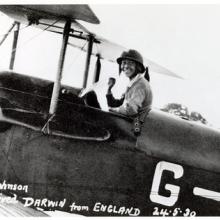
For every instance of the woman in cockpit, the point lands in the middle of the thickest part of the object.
(138, 95)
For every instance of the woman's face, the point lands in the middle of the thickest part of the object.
(129, 68)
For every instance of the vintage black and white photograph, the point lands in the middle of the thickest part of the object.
(109, 109)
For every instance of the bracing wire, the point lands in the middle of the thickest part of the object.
(29, 40)
(76, 56)
(38, 34)
(21, 29)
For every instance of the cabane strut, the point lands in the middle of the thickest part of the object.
(57, 83)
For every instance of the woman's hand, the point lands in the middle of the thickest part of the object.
(111, 83)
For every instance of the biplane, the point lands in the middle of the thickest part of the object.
(58, 151)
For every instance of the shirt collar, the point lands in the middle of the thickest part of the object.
(134, 80)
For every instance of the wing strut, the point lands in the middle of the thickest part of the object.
(88, 58)
(6, 35)
(14, 46)
(97, 69)
(57, 83)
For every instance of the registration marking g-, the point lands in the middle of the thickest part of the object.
(174, 190)
(154, 195)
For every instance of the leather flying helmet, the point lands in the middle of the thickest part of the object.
(134, 56)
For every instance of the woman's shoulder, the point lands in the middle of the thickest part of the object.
(142, 82)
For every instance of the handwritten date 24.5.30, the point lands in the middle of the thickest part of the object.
(173, 212)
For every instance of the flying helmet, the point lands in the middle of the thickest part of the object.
(134, 56)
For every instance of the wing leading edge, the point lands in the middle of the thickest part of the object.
(72, 12)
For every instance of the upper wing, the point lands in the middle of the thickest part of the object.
(106, 49)
(72, 12)
(53, 17)
(160, 69)
(111, 51)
